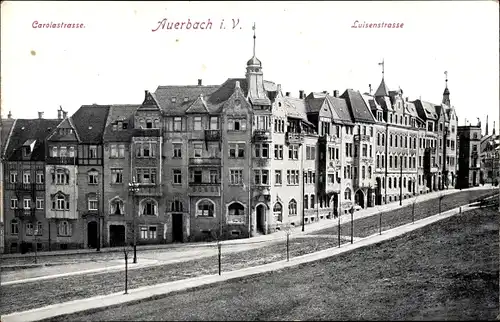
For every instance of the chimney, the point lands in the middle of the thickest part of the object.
(199, 82)
(65, 114)
(301, 93)
(145, 93)
(370, 87)
(40, 115)
(278, 90)
(493, 128)
(325, 92)
(406, 99)
(9, 116)
(335, 93)
(287, 94)
(59, 114)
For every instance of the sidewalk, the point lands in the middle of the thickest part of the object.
(166, 288)
(165, 256)
(308, 227)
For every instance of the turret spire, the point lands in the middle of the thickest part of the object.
(383, 65)
(446, 93)
(253, 28)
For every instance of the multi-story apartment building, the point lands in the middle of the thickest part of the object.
(229, 161)
(5, 127)
(24, 185)
(490, 156)
(469, 137)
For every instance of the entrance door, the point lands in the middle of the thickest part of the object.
(177, 228)
(261, 220)
(473, 178)
(92, 238)
(359, 198)
(116, 235)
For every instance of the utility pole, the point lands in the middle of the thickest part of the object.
(303, 199)
(386, 161)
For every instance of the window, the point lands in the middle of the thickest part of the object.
(146, 149)
(236, 124)
(93, 177)
(214, 123)
(369, 172)
(116, 206)
(378, 161)
(262, 150)
(292, 208)
(177, 124)
(39, 177)
(197, 123)
(177, 176)
(39, 228)
(14, 227)
(278, 212)
(196, 176)
(54, 151)
(64, 228)
(93, 203)
(331, 178)
(26, 177)
(39, 203)
(277, 177)
(116, 176)
(236, 209)
(365, 150)
(261, 177)
(363, 174)
(278, 152)
(13, 203)
(313, 202)
(176, 206)
(149, 208)
(235, 176)
(63, 151)
(93, 151)
(13, 177)
(383, 139)
(27, 203)
(61, 202)
(292, 177)
(214, 176)
(198, 150)
(293, 152)
(177, 150)
(347, 194)
(113, 151)
(146, 175)
(205, 208)
(310, 152)
(236, 150)
(149, 232)
(306, 202)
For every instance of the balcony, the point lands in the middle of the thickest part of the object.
(147, 132)
(62, 160)
(264, 190)
(204, 189)
(329, 139)
(29, 186)
(25, 214)
(434, 168)
(361, 137)
(204, 162)
(363, 183)
(149, 190)
(212, 135)
(294, 138)
(261, 162)
(334, 164)
(261, 135)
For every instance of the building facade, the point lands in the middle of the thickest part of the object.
(236, 160)
(469, 138)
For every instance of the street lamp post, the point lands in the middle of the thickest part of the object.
(401, 182)
(133, 187)
(303, 198)
(352, 224)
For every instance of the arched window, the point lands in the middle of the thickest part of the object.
(389, 183)
(383, 162)
(142, 123)
(205, 207)
(306, 202)
(363, 172)
(157, 123)
(390, 140)
(176, 206)
(383, 139)
(64, 228)
(369, 172)
(236, 209)
(149, 207)
(149, 124)
(39, 228)
(14, 227)
(404, 182)
(60, 202)
(278, 212)
(292, 208)
(378, 161)
(347, 194)
(116, 206)
(390, 161)
(378, 138)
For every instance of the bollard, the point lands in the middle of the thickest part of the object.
(126, 273)
(220, 266)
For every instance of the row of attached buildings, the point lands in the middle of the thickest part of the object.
(226, 161)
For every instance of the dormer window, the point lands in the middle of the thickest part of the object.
(62, 151)
(115, 127)
(186, 99)
(120, 125)
(125, 125)
(142, 123)
(54, 151)
(173, 99)
(71, 151)
(26, 151)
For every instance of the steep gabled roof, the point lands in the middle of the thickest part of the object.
(357, 106)
(295, 107)
(124, 113)
(90, 121)
(198, 106)
(66, 123)
(339, 106)
(184, 97)
(7, 125)
(382, 89)
(26, 129)
(426, 110)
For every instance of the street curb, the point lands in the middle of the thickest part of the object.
(158, 291)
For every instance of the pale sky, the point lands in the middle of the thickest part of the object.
(302, 45)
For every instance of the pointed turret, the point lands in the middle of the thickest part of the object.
(446, 93)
